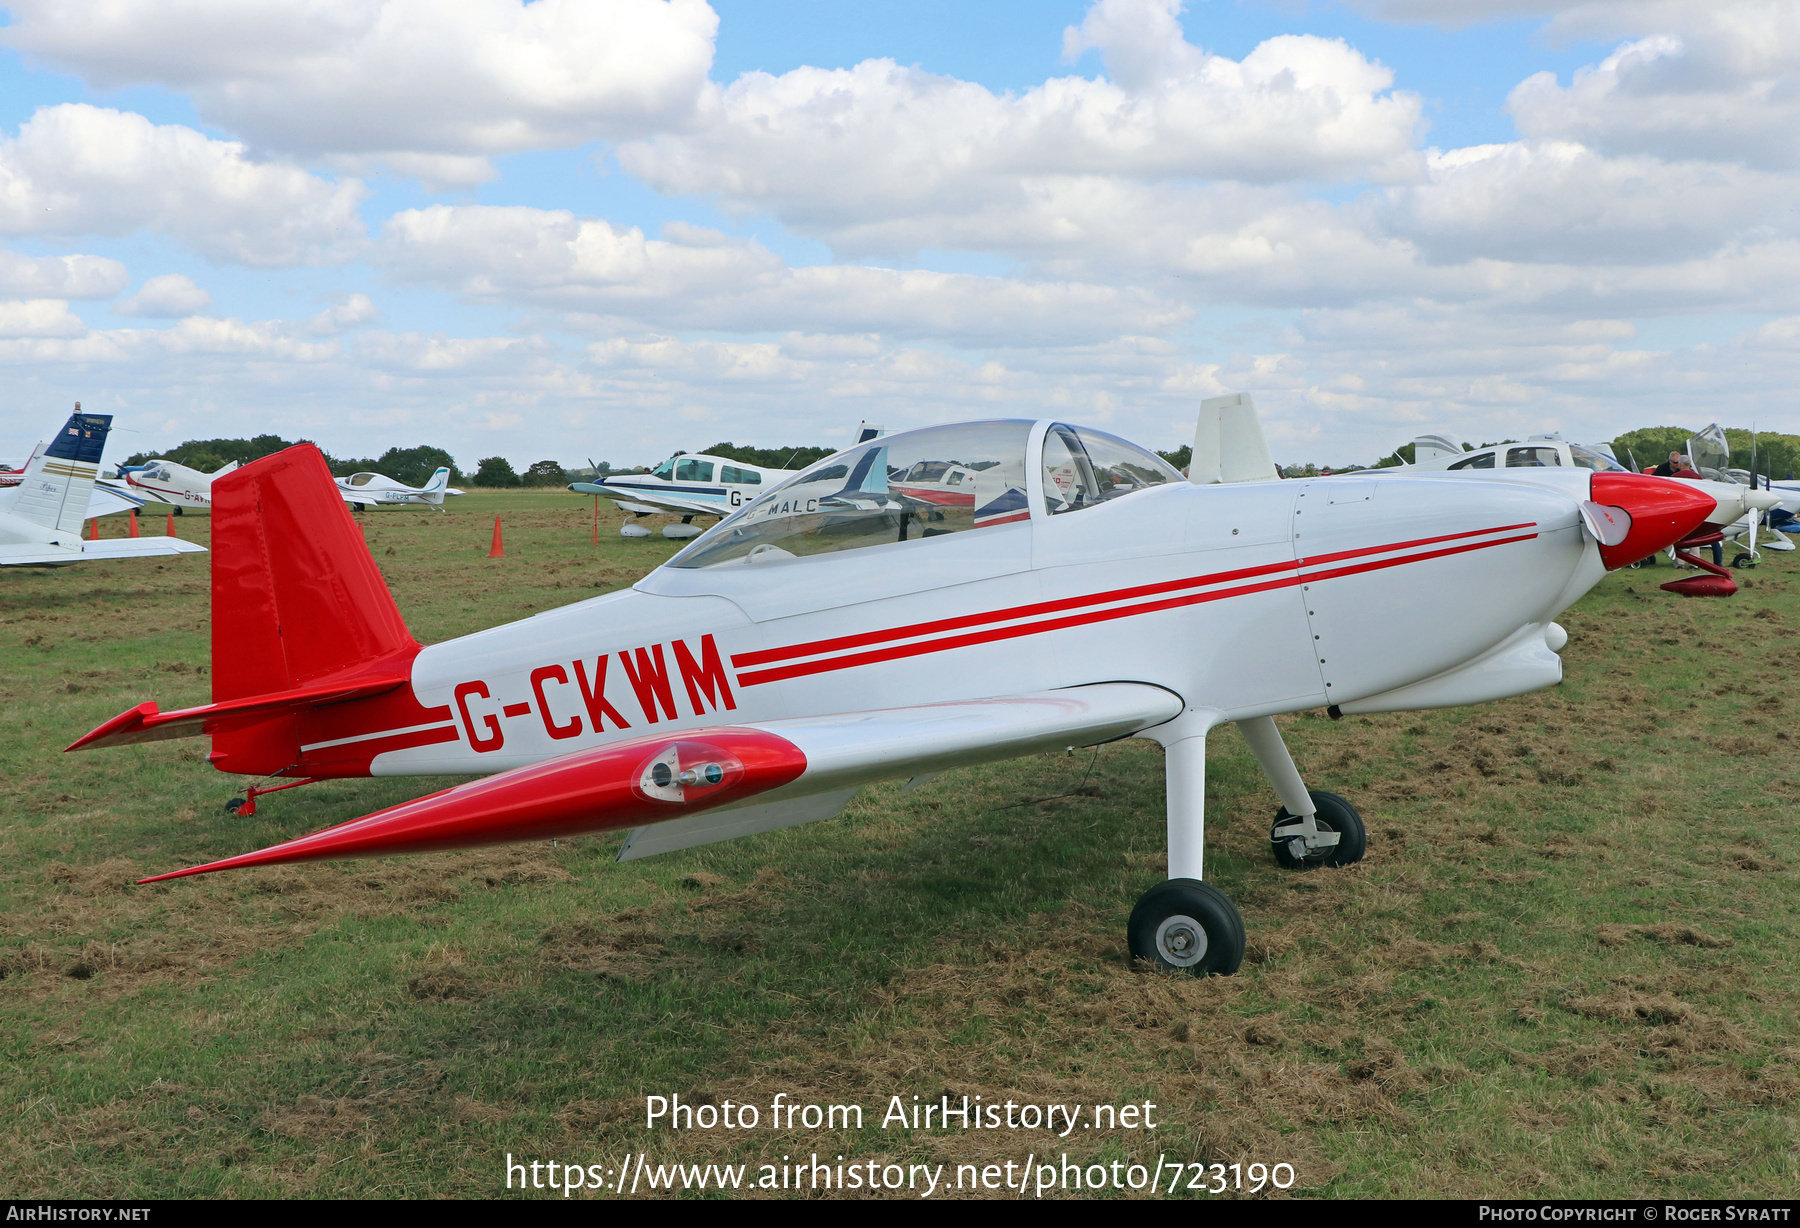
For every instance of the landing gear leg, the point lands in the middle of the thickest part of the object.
(1183, 924)
(244, 807)
(1311, 828)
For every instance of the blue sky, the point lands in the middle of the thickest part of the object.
(667, 253)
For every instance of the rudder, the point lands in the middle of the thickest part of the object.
(296, 596)
(54, 491)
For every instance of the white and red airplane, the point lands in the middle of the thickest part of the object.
(837, 631)
(171, 482)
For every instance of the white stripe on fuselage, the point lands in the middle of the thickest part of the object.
(380, 733)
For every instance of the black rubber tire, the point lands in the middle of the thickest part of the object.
(178, 511)
(1201, 904)
(1641, 563)
(1743, 560)
(1333, 814)
(232, 806)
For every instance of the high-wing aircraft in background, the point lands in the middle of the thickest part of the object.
(688, 484)
(363, 491)
(180, 487)
(841, 630)
(41, 517)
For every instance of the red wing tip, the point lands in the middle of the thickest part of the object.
(205, 869)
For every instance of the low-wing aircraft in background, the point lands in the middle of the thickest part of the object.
(41, 517)
(839, 631)
(363, 491)
(167, 481)
(1737, 505)
(688, 484)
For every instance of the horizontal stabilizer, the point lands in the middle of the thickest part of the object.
(28, 555)
(145, 723)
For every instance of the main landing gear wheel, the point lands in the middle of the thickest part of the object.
(1185, 925)
(1334, 814)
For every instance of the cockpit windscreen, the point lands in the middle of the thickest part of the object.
(905, 487)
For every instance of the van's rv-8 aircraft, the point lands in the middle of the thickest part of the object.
(838, 630)
(41, 517)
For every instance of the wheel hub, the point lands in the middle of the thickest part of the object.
(1181, 941)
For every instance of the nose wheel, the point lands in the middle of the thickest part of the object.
(1332, 836)
(1185, 925)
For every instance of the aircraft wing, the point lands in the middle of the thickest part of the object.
(660, 502)
(845, 752)
(713, 783)
(648, 502)
(26, 555)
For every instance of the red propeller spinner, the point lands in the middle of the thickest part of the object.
(1661, 511)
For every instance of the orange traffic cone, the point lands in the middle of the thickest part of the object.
(170, 531)
(133, 532)
(496, 551)
(94, 533)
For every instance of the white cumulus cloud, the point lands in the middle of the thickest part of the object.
(616, 277)
(78, 169)
(65, 277)
(41, 317)
(837, 152)
(432, 88)
(168, 295)
(351, 311)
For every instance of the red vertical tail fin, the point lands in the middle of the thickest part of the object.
(295, 595)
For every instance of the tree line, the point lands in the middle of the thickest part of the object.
(1777, 455)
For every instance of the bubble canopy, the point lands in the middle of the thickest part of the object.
(920, 484)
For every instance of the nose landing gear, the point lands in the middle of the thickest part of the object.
(1332, 835)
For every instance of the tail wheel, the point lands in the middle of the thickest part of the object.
(1185, 925)
(1333, 814)
(234, 805)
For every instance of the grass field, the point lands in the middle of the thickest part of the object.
(1570, 965)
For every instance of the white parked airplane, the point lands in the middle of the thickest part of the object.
(689, 484)
(839, 631)
(170, 482)
(363, 491)
(41, 517)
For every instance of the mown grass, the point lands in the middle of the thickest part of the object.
(1567, 967)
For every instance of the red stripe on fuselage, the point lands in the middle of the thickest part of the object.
(945, 643)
